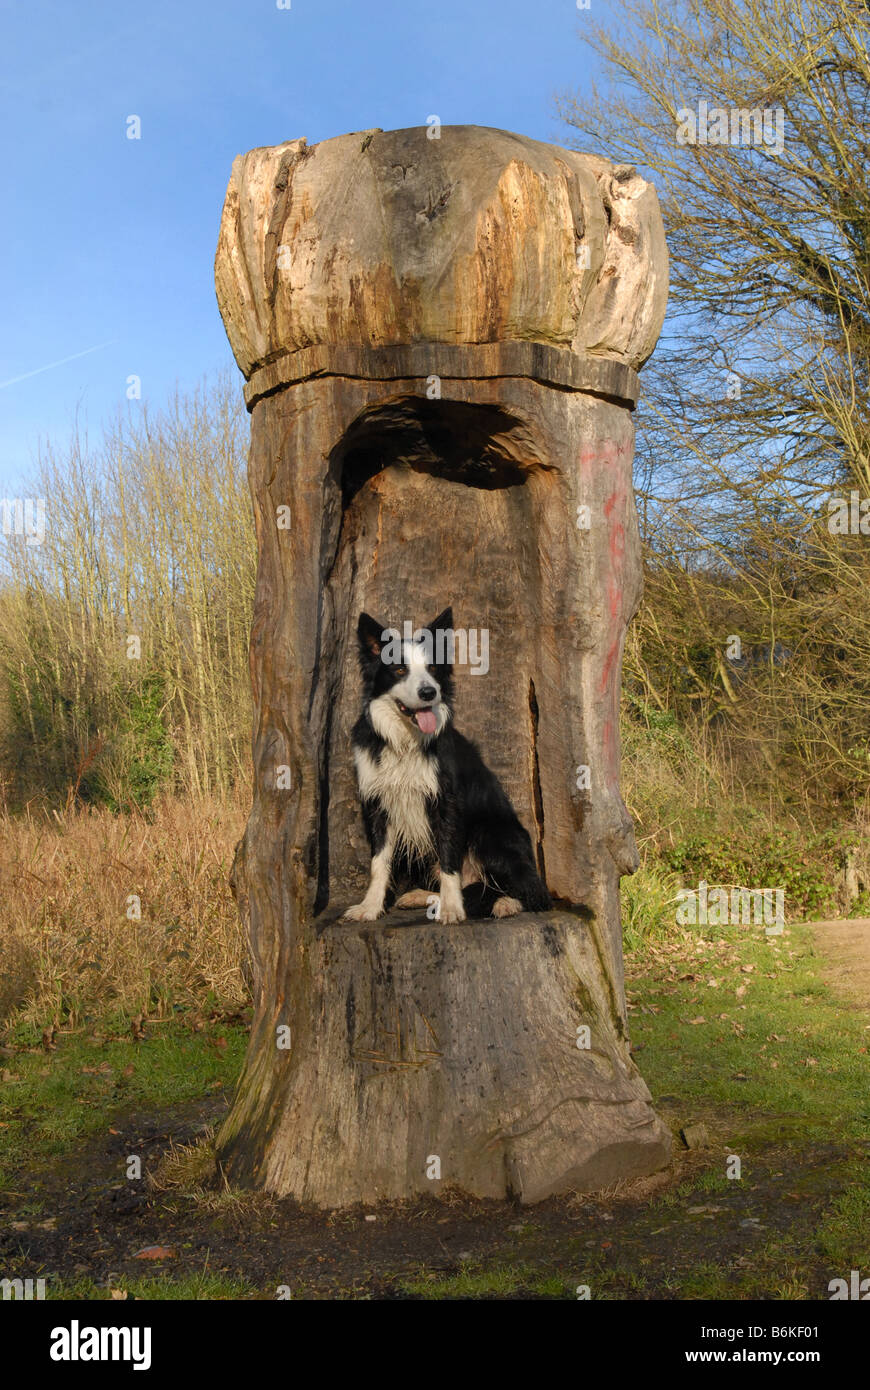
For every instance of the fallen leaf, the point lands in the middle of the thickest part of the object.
(155, 1252)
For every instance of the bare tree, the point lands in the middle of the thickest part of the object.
(752, 120)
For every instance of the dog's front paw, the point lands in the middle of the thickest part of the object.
(451, 914)
(362, 912)
(417, 897)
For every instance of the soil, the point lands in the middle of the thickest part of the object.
(845, 950)
(102, 1222)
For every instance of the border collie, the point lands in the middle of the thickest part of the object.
(429, 802)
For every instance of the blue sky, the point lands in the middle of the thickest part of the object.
(107, 244)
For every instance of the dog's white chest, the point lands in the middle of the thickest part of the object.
(401, 783)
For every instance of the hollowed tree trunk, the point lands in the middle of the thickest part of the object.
(418, 333)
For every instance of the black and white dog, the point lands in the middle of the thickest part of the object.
(430, 803)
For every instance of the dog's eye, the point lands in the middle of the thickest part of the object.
(401, 670)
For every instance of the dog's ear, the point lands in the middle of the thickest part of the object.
(369, 633)
(444, 652)
(443, 623)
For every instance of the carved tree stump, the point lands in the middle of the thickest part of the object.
(440, 340)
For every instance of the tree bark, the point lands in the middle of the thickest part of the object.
(440, 389)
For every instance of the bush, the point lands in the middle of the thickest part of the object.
(805, 866)
(141, 759)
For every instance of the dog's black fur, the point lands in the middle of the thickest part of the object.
(469, 814)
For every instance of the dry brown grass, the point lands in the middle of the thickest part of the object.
(68, 948)
(186, 1167)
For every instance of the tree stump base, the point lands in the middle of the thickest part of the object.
(448, 1055)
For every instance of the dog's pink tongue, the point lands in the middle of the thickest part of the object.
(426, 721)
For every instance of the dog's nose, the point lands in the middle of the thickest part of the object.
(427, 692)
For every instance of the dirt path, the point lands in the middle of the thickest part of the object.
(845, 950)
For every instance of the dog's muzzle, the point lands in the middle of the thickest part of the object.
(425, 719)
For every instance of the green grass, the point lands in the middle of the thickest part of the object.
(51, 1101)
(787, 1016)
(844, 1236)
(493, 1281)
(649, 901)
(202, 1286)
